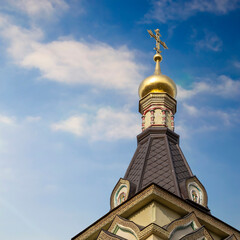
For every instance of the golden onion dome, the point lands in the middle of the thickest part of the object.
(157, 82)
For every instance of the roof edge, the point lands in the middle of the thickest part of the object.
(137, 196)
(158, 130)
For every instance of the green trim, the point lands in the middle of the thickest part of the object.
(182, 227)
(124, 230)
(201, 195)
(192, 184)
(116, 194)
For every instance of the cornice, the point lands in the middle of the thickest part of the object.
(191, 217)
(151, 193)
(153, 229)
(198, 234)
(104, 235)
(158, 98)
(158, 132)
(124, 222)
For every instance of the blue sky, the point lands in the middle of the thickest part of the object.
(69, 73)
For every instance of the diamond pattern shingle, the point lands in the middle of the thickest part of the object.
(180, 167)
(157, 169)
(158, 160)
(135, 172)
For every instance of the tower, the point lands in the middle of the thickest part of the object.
(159, 197)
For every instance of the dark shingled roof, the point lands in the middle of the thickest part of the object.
(158, 159)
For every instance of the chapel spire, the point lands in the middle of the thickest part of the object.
(158, 158)
(157, 57)
(159, 197)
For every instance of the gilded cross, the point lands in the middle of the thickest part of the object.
(158, 40)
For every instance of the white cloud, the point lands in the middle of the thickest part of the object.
(74, 124)
(187, 132)
(212, 115)
(222, 86)
(194, 119)
(39, 8)
(73, 62)
(164, 10)
(14, 121)
(107, 124)
(20, 41)
(7, 120)
(211, 41)
(192, 110)
(237, 64)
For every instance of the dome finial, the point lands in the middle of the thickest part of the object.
(157, 57)
(158, 43)
(157, 83)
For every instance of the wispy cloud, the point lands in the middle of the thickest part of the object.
(20, 41)
(221, 86)
(164, 10)
(74, 124)
(16, 121)
(108, 124)
(7, 120)
(237, 64)
(187, 132)
(198, 120)
(38, 9)
(73, 62)
(210, 42)
(228, 117)
(191, 110)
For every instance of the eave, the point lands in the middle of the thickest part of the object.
(162, 196)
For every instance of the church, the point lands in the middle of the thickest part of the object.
(159, 197)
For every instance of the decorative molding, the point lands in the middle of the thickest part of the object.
(157, 99)
(124, 223)
(157, 109)
(189, 218)
(172, 122)
(194, 181)
(143, 122)
(153, 229)
(200, 233)
(158, 132)
(152, 111)
(232, 237)
(104, 235)
(124, 183)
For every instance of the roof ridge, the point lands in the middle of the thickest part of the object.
(144, 164)
(172, 166)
